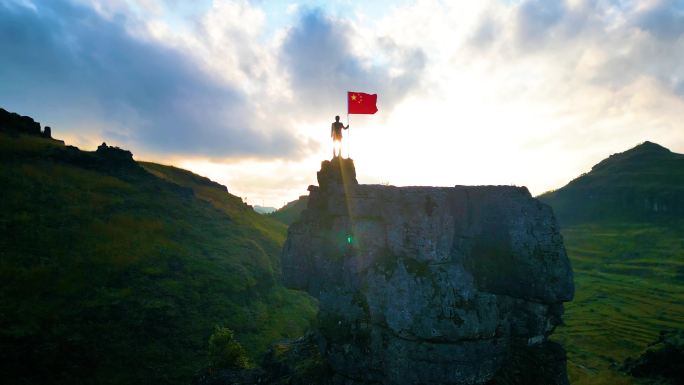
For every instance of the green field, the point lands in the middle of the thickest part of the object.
(629, 282)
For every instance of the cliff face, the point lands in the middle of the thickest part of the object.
(421, 285)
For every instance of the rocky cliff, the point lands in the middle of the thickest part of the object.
(423, 285)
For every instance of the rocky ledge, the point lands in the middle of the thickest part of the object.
(431, 285)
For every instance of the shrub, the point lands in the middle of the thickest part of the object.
(225, 352)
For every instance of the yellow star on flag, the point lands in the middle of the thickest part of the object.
(360, 103)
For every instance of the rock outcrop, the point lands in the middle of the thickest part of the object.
(14, 123)
(661, 363)
(427, 285)
(107, 159)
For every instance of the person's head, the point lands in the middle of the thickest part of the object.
(337, 118)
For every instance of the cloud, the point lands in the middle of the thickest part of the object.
(486, 33)
(321, 63)
(664, 19)
(604, 44)
(549, 86)
(535, 19)
(72, 63)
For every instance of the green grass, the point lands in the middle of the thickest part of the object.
(121, 277)
(629, 286)
(291, 212)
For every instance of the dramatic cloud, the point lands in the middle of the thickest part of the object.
(61, 59)
(322, 65)
(608, 43)
(527, 92)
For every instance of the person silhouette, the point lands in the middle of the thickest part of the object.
(336, 134)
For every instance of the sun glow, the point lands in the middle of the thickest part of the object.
(494, 106)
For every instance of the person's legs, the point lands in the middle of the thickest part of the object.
(337, 147)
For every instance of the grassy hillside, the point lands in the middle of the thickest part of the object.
(645, 183)
(118, 272)
(625, 237)
(291, 211)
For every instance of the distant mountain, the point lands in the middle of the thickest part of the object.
(291, 211)
(264, 209)
(645, 183)
(117, 271)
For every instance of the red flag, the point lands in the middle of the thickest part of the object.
(361, 103)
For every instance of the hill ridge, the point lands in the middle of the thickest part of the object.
(646, 149)
(644, 183)
(118, 271)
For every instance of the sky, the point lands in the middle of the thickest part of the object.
(530, 93)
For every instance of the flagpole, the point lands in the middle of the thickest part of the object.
(348, 133)
(348, 155)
